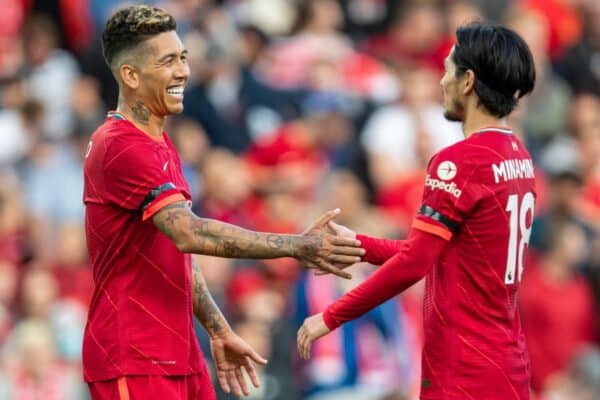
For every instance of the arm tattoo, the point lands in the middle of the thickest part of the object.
(215, 238)
(167, 216)
(205, 309)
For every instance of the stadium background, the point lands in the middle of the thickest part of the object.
(295, 107)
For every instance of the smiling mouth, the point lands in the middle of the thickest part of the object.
(176, 91)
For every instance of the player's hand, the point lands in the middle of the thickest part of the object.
(232, 355)
(312, 329)
(341, 230)
(328, 252)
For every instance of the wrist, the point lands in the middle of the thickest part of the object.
(224, 331)
(329, 321)
(299, 244)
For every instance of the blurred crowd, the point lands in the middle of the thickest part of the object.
(295, 107)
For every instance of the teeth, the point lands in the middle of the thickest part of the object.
(177, 91)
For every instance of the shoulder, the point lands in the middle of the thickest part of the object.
(454, 163)
(454, 152)
(120, 141)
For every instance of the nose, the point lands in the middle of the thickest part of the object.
(182, 71)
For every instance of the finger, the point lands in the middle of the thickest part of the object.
(326, 217)
(223, 381)
(322, 273)
(334, 227)
(256, 357)
(339, 266)
(347, 251)
(234, 383)
(241, 380)
(310, 265)
(252, 373)
(302, 340)
(299, 339)
(325, 266)
(341, 259)
(306, 348)
(303, 345)
(344, 241)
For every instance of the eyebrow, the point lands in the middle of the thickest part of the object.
(174, 54)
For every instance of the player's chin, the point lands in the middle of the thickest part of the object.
(450, 115)
(175, 108)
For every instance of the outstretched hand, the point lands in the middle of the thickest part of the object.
(232, 355)
(312, 329)
(329, 252)
(341, 230)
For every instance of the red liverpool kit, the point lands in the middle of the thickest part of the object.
(469, 239)
(140, 319)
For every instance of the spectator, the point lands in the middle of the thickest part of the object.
(225, 187)
(547, 108)
(580, 381)
(192, 145)
(52, 72)
(8, 292)
(37, 372)
(316, 38)
(563, 20)
(557, 304)
(72, 271)
(578, 65)
(399, 45)
(13, 235)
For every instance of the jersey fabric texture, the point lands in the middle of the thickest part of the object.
(152, 387)
(479, 197)
(140, 319)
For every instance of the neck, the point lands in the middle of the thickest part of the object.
(475, 120)
(141, 116)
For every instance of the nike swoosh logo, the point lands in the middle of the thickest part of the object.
(165, 166)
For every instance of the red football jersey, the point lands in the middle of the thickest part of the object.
(140, 319)
(479, 194)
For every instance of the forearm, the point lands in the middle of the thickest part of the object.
(193, 234)
(411, 263)
(379, 250)
(220, 239)
(205, 308)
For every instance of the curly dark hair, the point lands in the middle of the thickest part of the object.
(129, 27)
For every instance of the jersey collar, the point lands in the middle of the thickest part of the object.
(501, 129)
(116, 115)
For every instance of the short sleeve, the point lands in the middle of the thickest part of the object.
(450, 193)
(137, 178)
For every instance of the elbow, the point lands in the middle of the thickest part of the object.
(183, 242)
(183, 246)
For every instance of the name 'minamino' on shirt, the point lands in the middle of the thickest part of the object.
(513, 169)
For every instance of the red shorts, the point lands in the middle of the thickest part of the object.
(154, 387)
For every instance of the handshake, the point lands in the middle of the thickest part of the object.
(329, 247)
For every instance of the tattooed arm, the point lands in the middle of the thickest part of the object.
(315, 248)
(230, 352)
(205, 308)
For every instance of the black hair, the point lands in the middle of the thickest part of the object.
(501, 61)
(129, 27)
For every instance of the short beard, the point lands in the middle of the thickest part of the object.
(455, 114)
